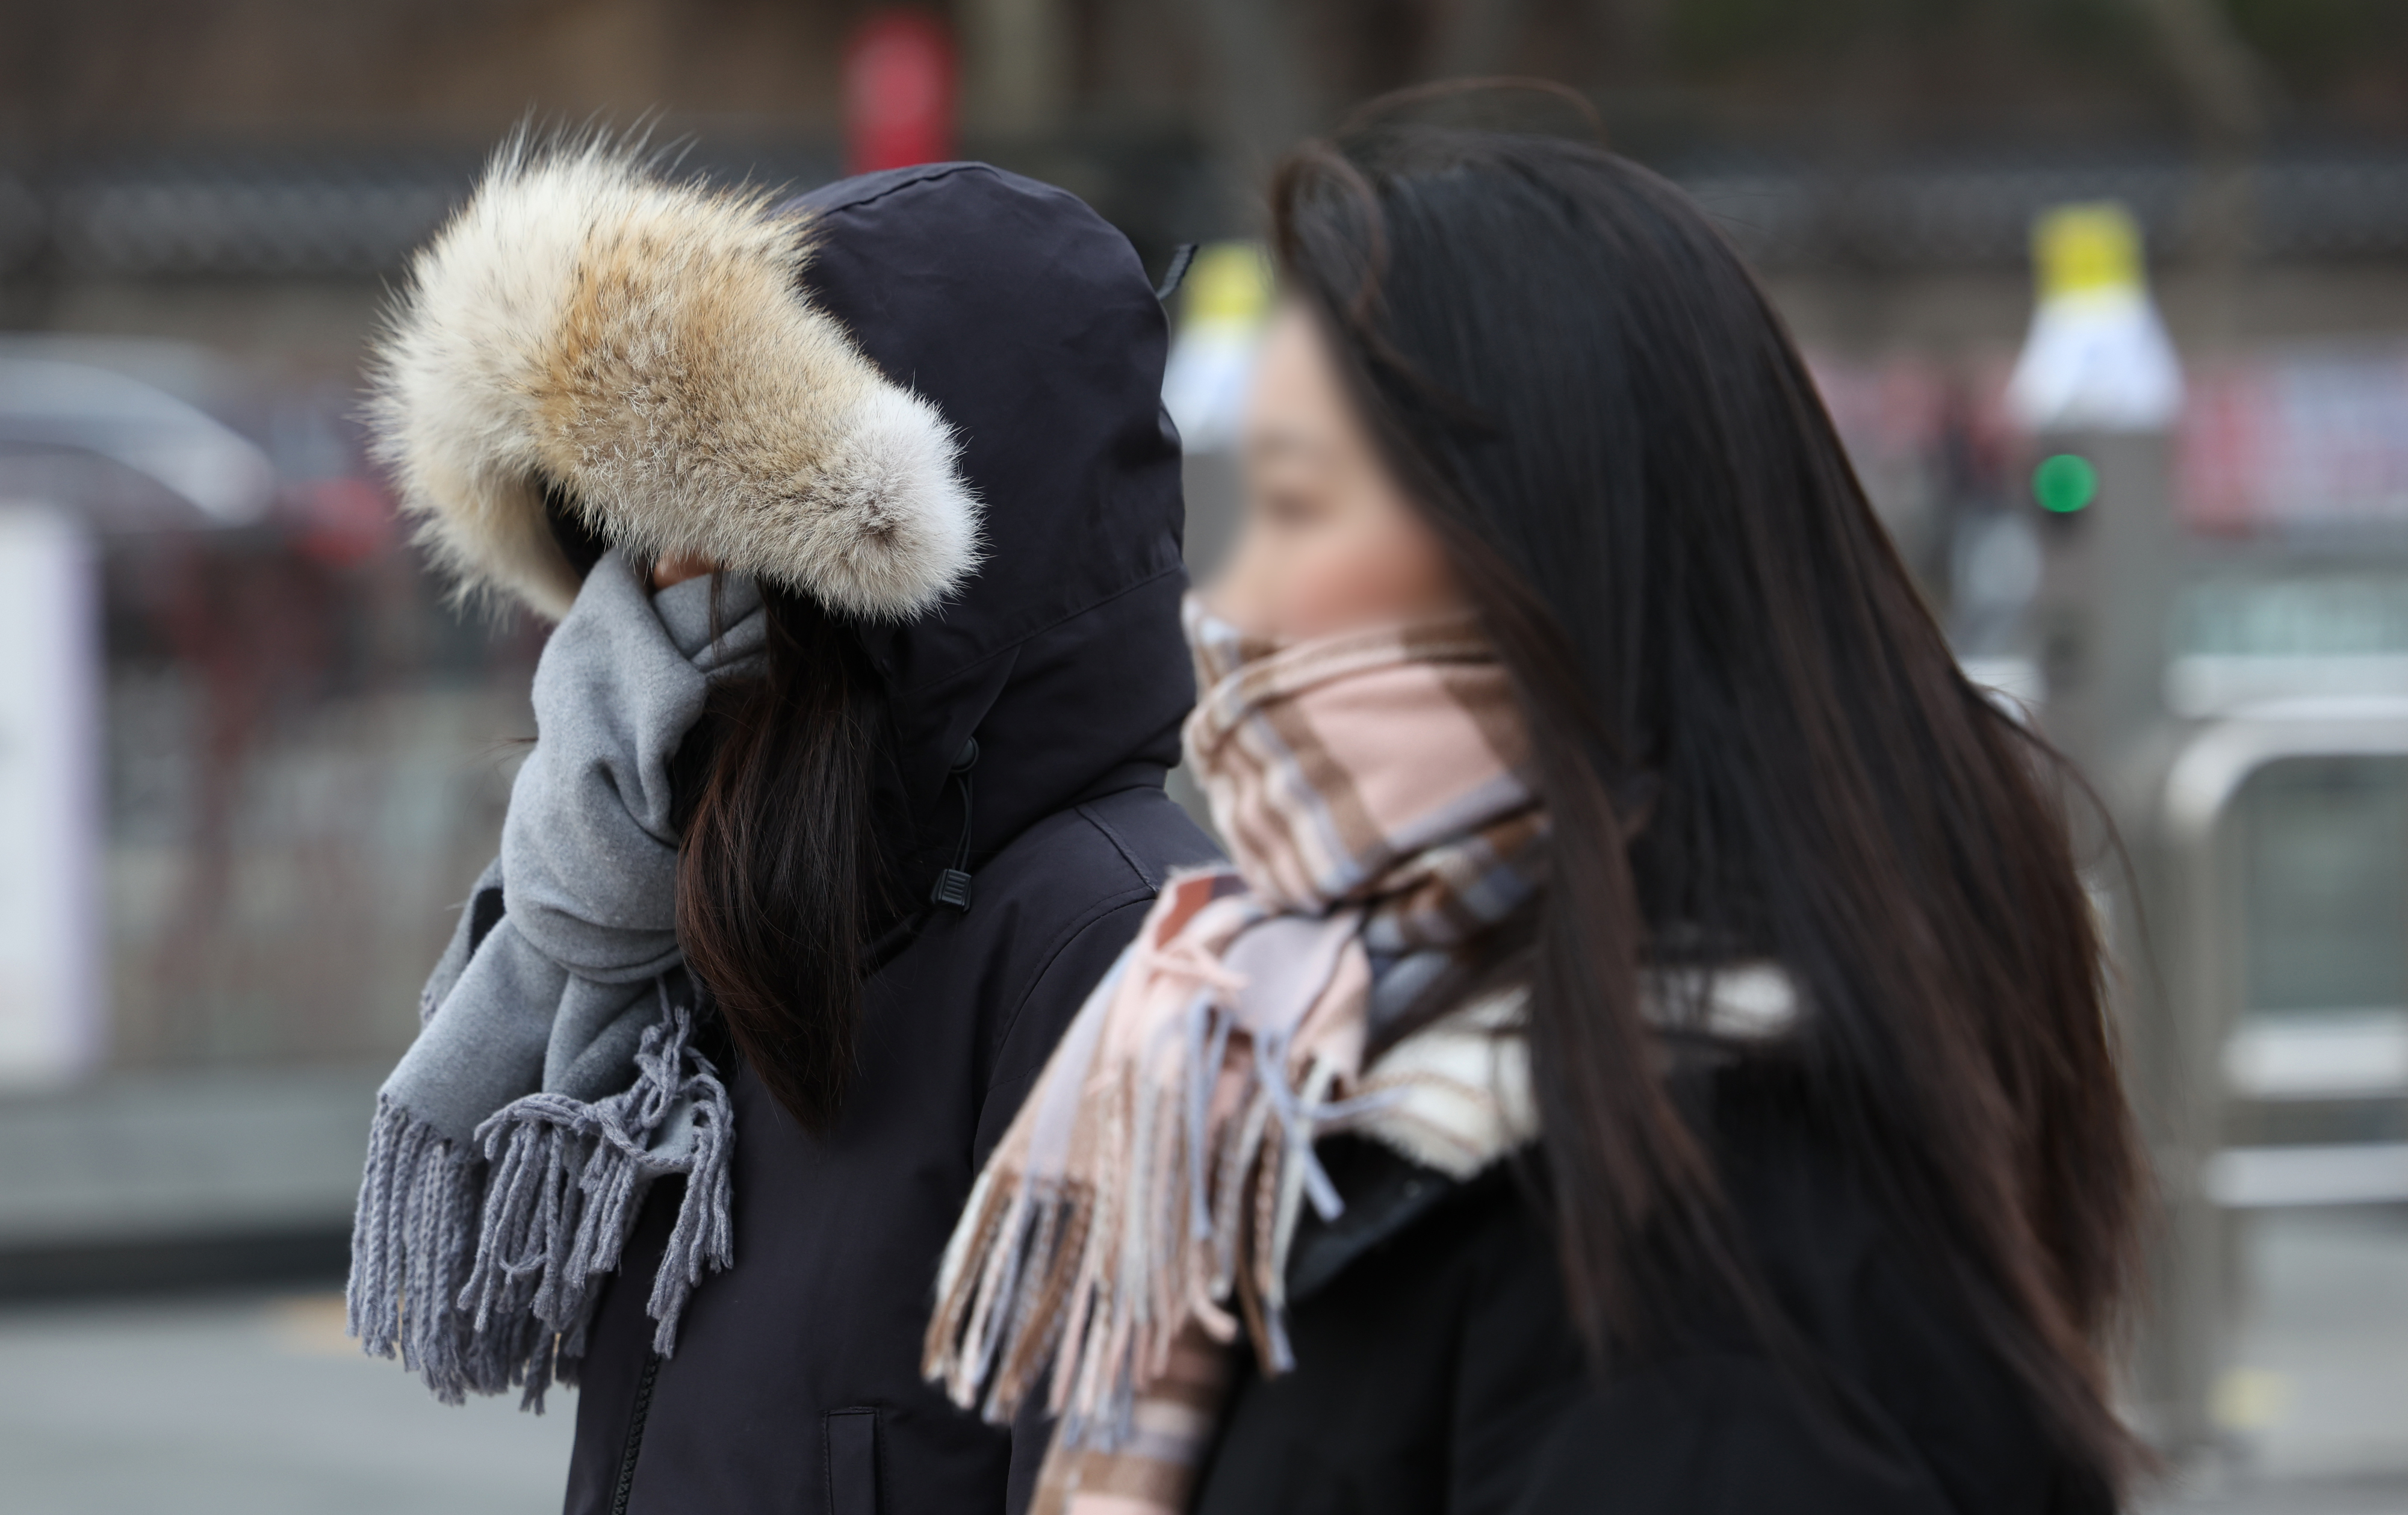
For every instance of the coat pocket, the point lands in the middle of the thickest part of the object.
(849, 1451)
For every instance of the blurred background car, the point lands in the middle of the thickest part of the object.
(2108, 297)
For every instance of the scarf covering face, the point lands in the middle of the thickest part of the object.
(552, 1078)
(1372, 789)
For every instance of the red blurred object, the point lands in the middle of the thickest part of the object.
(341, 522)
(898, 92)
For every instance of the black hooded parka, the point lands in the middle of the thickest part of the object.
(795, 1386)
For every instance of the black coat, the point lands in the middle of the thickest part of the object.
(1438, 1370)
(796, 1383)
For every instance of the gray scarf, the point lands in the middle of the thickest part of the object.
(553, 1077)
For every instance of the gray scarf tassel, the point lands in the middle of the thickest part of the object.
(507, 1238)
(513, 1145)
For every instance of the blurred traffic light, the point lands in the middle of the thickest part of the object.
(2064, 483)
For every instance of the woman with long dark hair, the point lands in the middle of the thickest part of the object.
(1649, 1052)
(861, 525)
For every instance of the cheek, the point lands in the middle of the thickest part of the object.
(1355, 578)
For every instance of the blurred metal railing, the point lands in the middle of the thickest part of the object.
(261, 209)
(2222, 1057)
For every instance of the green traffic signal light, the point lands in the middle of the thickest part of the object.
(2065, 483)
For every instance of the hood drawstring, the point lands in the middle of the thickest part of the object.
(954, 884)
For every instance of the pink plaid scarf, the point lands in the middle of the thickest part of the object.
(1372, 789)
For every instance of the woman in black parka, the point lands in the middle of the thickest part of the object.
(862, 519)
(1648, 1055)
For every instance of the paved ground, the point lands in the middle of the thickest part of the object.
(2319, 1399)
(260, 1407)
(2374, 1496)
(250, 1407)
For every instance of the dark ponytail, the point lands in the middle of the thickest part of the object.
(1751, 737)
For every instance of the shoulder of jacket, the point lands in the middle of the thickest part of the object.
(1065, 856)
(1130, 839)
(1153, 834)
(1059, 878)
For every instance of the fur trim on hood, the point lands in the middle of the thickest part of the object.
(649, 349)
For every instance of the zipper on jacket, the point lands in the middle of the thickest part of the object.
(635, 1435)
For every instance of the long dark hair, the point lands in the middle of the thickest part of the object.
(779, 868)
(1751, 735)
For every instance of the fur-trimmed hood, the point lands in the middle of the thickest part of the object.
(648, 350)
(929, 398)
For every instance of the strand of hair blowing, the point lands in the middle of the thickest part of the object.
(1753, 741)
(777, 867)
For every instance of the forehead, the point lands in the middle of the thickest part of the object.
(1294, 408)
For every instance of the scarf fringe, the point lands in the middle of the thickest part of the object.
(475, 1264)
(1099, 1282)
